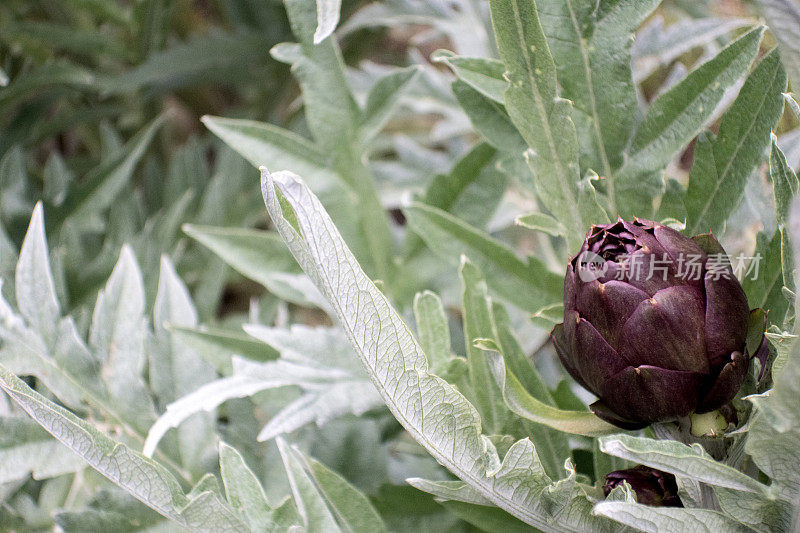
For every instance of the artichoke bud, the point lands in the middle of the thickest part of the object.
(652, 487)
(655, 323)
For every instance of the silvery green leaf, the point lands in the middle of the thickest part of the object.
(782, 342)
(764, 286)
(57, 179)
(723, 163)
(479, 324)
(176, 369)
(521, 402)
(483, 74)
(793, 104)
(143, 478)
(318, 360)
(331, 111)
(658, 519)
(35, 288)
(761, 512)
(431, 410)
(785, 185)
(541, 117)
(327, 19)
(551, 445)
(591, 48)
(432, 328)
(489, 118)
(117, 339)
(243, 490)
(325, 501)
(773, 441)
(449, 490)
(678, 115)
(472, 189)
(14, 184)
(260, 256)
(266, 145)
(657, 46)
(541, 222)
(677, 458)
(27, 450)
(216, 345)
(383, 99)
(790, 144)
(783, 18)
(39, 342)
(527, 284)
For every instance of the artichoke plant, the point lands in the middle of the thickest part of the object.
(652, 487)
(655, 323)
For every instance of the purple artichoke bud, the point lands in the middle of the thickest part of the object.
(655, 323)
(652, 487)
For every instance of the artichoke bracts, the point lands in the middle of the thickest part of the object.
(655, 323)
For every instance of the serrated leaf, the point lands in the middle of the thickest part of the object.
(678, 115)
(723, 164)
(143, 478)
(785, 185)
(35, 288)
(317, 360)
(591, 48)
(764, 287)
(117, 338)
(542, 118)
(431, 410)
(176, 369)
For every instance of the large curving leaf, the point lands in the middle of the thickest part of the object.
(430, 409)
(143, 478)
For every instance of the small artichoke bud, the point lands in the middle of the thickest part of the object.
(652, 487)
(655, 323)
